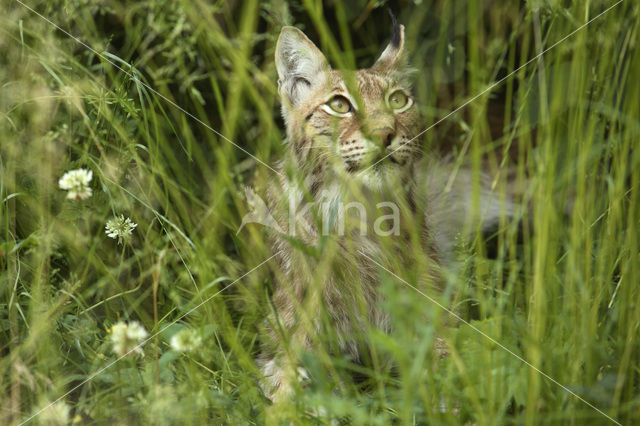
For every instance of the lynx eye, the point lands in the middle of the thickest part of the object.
(398, 100)
(339, 104)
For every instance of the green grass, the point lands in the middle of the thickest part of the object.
(564, 297)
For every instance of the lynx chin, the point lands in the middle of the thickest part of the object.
(351, 138)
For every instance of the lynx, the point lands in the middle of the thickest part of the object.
(351, 138)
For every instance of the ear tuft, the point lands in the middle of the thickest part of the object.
(397, 35)
(300, 64)
(392, 57)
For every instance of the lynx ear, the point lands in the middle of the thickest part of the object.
(392, 57)
(301, 65)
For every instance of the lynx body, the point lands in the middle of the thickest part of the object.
(352, 138)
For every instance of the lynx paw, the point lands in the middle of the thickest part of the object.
(278, 382)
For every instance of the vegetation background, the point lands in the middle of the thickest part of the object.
(564, 295)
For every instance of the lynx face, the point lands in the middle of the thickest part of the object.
(360, 124)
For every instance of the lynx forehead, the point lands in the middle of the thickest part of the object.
(347, 121)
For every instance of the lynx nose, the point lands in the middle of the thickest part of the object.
(384, 135)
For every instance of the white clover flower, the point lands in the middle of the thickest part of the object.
(186, 340)
(56, 414)
(77, 183)
(160, 406)
(120, 228)
(127, 337)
